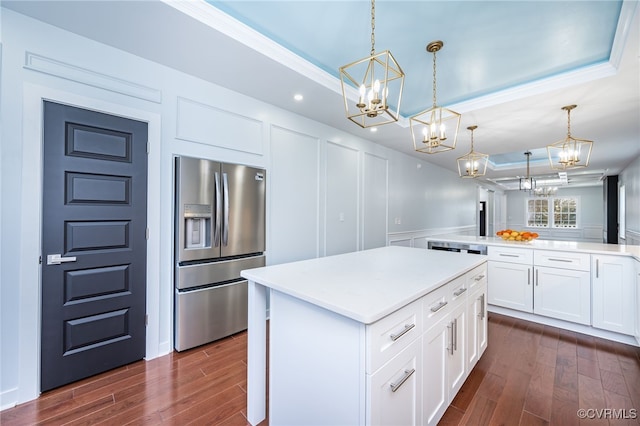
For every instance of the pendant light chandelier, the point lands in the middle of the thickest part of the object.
(381, 79)
(472, 164)
(570, 152)
(429, 128)
(527, 183)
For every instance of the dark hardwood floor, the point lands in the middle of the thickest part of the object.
(530, 375)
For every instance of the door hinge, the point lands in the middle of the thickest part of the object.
(146, 320)
(40, 260)
(146, 233)
(148, 147)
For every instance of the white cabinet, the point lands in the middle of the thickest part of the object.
(550, 283)
(396, 389)
(510, 285)
(562, 287)
(510, 278)
(614, 293)
(476, 324)
(434, 376)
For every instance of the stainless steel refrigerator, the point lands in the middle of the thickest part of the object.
(219, 231)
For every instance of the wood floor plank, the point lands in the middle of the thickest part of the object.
(540, 393)
(591, 396)
(511, 402)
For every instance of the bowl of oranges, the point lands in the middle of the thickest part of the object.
(519, 236)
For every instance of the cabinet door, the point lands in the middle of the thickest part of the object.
(456, 362)
(563, 294)
(435, 347)
(483, 323)
(476, 326)
(613, 293)
(396, 389)
(510, 285)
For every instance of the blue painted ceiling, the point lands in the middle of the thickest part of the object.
(489, 46)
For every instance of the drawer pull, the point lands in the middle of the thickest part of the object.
(459, 291)
(407, 374)
(481, 314)
(509, 255)
(560, 260)
(479, 277)
(407, 327)
(439, 306)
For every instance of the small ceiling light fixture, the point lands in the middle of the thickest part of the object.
(570, 152)
(429, 127)
(298, 97)
(472, 164)
(527, 183)
(381, 77)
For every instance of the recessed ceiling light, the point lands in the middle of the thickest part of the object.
(298, 97)
(374, 129)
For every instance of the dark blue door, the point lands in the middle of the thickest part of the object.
(94, 223)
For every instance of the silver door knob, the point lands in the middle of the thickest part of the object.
(56, 259)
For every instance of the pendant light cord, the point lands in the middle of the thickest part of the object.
(373, 27)
(434, 80)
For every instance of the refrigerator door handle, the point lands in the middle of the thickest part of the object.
(225, 224)
(216, 232)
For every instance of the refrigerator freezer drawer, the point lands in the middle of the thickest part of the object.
(213, 272)
(209, 314)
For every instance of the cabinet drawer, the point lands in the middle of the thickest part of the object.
(436, 305)
(511, 255)
(390, 335)
(458, 290)
(563, 260)
(476, 277)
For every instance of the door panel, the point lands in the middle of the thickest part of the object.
(244, 210)
(94, 217)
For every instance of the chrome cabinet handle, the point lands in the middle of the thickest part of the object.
(216, 232)
(537, 278)
(407, 374)
(459, 291)
(225, 229)
(479, 277)
(407, 327)
(528, 276)
(57, 259)
(509, 255)
(560, 260)
(450, 348)
(439, 306)
(597, 268)
(481, 306)
(455, 334)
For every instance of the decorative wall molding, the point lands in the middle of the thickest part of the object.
(39, 63)
(209, 125)
(419, 238)
(632, 238)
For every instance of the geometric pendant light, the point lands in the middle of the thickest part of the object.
(570, 152)
(527, 183)
(435, 129)
(472, 164)
(379, 81)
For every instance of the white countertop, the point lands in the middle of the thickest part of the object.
(595, 248)
(366, 285)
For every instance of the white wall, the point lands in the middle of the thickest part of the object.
(591, 213)
(329, 192)
(630, 178)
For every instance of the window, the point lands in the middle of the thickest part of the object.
(564, 212)
(537, 212)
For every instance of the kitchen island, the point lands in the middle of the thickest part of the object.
(349, 335)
